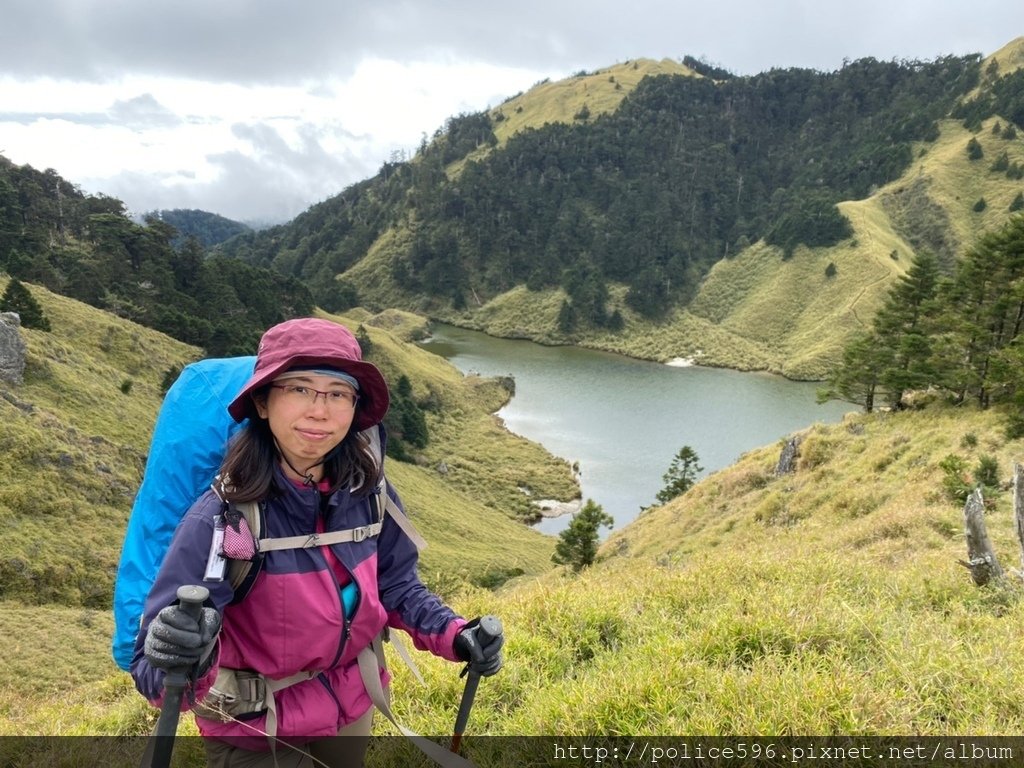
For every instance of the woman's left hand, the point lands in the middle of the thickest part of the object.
(481, 650)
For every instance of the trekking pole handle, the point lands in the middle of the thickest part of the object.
(191, 598)
(158, 751)
(489, 628)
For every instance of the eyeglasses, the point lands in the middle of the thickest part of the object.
(340, 400)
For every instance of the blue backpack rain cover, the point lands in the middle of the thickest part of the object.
(191, 433)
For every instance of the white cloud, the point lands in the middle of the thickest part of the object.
(257, 110)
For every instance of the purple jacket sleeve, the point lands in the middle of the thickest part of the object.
(410, 605)
(185, 563)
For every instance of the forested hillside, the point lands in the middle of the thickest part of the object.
(607, 223)
(685, 172)
(87, 248)
(208, 228)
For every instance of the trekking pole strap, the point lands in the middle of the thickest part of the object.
(369, 670)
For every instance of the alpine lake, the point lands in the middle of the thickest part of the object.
(621, 421)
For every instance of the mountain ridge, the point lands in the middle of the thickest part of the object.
(406, 244)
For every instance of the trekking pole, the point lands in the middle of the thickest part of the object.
(488, 629)
(191, 599)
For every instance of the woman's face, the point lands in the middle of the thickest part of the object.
(309, 414)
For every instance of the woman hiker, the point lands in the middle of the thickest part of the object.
(286, 657)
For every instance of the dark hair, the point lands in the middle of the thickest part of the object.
(252, 456)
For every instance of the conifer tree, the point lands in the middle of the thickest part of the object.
(681, 475)
(857, 379)
(895, 356)
(577, 544)
(984, 315)
(903, 328)
(406, 422)
(17, 298)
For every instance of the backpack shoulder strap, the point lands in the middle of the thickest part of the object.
(385, 504)
(241, 573)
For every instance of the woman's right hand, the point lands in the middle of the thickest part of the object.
(176, 640)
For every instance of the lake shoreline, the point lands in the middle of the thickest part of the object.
(697, 359)
(619, 420)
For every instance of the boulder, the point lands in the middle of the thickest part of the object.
(12, 349)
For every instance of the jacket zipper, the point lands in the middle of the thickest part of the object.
(345, 620)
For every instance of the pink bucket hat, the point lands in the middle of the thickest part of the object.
(310, 342)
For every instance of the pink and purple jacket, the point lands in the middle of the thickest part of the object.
(292, 620)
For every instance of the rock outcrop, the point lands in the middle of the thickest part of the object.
(12, 349)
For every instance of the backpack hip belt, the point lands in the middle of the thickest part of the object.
(239, 692)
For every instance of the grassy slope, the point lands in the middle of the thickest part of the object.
(764, 300)
(600, 91)
(72, 451)
(828, 601)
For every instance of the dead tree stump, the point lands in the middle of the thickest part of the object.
(1018, 506)
(787, 459)
(982, 561)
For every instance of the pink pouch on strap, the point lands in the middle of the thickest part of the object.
(239, 543)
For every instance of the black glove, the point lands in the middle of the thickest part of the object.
(481, 650)
(175, 640)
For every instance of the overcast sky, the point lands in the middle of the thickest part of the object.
(256, 109)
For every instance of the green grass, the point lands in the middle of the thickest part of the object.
(827, 601)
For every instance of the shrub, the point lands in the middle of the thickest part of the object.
(955, 481)
(18, 298)
(987, 471)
